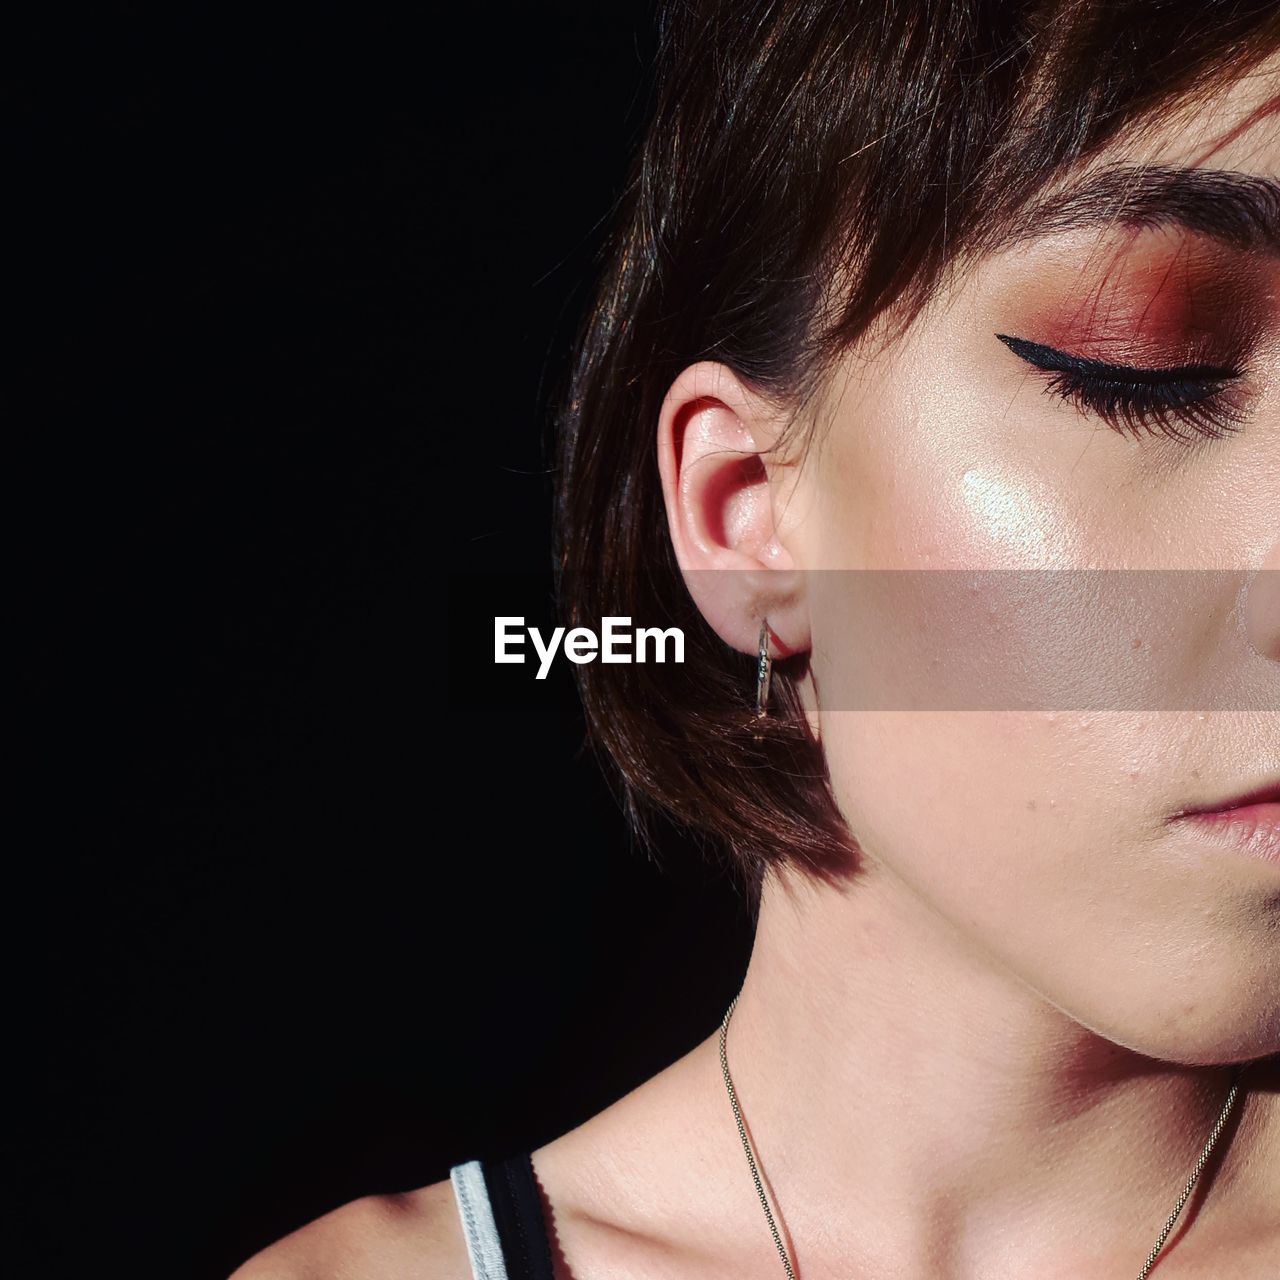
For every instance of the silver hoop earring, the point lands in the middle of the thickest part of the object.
(764, 671)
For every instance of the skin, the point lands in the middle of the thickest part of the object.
(997, 1049)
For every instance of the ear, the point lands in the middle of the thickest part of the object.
(723, 500)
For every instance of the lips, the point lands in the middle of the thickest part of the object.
(1249, 822)
(1268, 793)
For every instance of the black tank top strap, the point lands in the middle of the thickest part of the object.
(518, 1216)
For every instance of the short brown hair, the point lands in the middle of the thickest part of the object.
(788, 144)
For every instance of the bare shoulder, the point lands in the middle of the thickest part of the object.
(415, 1235)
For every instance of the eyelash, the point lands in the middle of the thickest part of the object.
(1135, 401)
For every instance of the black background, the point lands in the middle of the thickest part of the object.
(305, 912)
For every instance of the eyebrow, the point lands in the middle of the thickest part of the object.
(1241, 210)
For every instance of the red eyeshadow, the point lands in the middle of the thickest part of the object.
(1159, 301)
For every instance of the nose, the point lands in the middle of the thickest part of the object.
(1262, 606)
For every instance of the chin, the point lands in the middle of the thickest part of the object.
(1193, 999)
(1201, 1031)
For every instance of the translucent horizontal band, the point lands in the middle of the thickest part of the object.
(1013, 640)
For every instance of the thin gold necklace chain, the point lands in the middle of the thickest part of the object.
(1219, 1124)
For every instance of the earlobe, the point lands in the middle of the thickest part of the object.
(713, 441)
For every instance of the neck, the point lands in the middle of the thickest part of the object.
(961, 1124)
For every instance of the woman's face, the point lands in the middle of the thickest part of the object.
(1013, 746)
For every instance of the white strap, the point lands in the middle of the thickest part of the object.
(484, 1247)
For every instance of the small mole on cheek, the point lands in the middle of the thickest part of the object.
(1136, 643)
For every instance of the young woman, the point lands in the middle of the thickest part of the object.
(933, 387)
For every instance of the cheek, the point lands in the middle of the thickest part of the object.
(1012, 828)
(920, 472)
(962, 567)
(1033, 836)
(999, 817)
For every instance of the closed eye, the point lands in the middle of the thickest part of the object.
(1136, 400)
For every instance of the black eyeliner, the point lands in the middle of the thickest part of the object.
(1050, 359)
